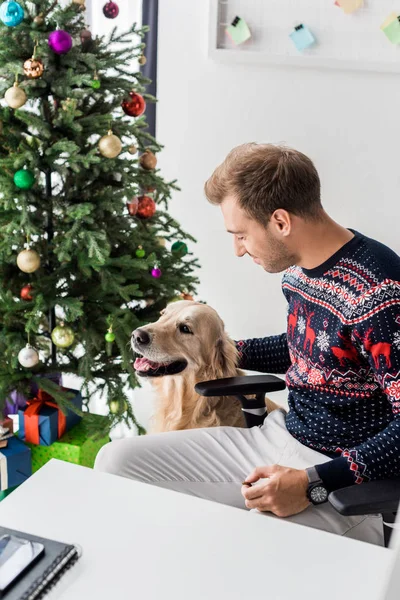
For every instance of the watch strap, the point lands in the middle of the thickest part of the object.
(312, 475)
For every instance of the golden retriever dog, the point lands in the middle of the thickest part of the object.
(188, 344)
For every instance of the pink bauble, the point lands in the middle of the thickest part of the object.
(156, 273)
(110, 10)
(60, 41)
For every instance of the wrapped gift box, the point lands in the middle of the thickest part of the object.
(75, 447)
(15, 463)
(42, 421)
(18, 400)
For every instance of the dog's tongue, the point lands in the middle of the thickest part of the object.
(144, 364)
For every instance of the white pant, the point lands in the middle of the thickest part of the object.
(211, 463)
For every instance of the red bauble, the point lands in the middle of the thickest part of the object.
(132, 206)
(135, 106)
(146, 208)
(110, 10)
(26, 292)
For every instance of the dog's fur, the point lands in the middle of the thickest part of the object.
(208, 353)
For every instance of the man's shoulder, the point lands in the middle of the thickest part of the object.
(381, 259)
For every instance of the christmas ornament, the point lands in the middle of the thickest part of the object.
(60, 41)
(26, 292)
(146, 208)
(186, 296)
(85, 35)
(110, 10)
(135, 106)
(156, 272)
(69, 104)
(132, 149)
(62, 336)
(24, 179)
(80, 3)
(142, 60)
(28, 260)
(110, 145)
(161, 241)
(110, 336)
(33, 68)
(140, 253)
(179, 249)
(95, 83)
(11, 13)
(39, 19)
(132, 206)
(15, 96)
(148, 160)
(28, 357)
(117, 407)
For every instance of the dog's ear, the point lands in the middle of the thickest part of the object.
(224, 358)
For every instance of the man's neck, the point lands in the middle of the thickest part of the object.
(320, 240)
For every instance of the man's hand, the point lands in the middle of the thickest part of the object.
(284, 494)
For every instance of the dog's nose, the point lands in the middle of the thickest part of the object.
(141, 337)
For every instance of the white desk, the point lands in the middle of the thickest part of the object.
(142, 542)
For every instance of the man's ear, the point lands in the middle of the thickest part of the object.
(281, 222)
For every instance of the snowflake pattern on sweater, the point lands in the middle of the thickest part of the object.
(341, 356)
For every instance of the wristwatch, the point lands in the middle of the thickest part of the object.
(316, 491)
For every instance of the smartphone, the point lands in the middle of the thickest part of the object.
(17, 554)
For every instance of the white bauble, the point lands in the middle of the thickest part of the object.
(28, 357)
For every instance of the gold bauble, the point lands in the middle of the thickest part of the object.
(162, 241)
(80, 2)
(28, 260)
(110, 145)
(15, 96)
(39, 19)
(33, 68)
(132, 149)
(148, 160)
(62, 336)
(142, 60)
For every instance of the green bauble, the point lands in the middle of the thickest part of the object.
(95, 83)
(24, 179)
(117, 407)
(110, 336)
(140, 253)
(179, 249)
(62, 336)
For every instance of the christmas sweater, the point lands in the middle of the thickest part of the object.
(341, 356)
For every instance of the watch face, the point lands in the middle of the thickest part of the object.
(319, 494)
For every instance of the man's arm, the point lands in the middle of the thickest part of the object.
(268, 355)
(378, 457)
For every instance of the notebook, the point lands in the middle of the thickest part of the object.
(44, 574)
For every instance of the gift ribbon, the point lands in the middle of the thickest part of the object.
(31, 417)
(3, 472)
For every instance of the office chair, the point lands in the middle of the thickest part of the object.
(375, 497)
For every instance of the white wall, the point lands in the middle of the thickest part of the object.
(346, 122)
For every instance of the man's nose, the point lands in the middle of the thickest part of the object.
(240, 250)
(141, 337)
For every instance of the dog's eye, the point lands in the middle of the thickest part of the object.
(184, 328)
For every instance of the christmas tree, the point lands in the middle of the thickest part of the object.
(88, 251)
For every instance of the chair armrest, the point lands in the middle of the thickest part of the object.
(248, 384)
(369, 498)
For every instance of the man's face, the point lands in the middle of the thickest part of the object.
(263, 243)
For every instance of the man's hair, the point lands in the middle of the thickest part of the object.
(265, 177)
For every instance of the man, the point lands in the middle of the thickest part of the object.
(341, 356)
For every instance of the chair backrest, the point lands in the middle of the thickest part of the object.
(392, 591)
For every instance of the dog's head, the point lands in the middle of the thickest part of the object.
(188, 335)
